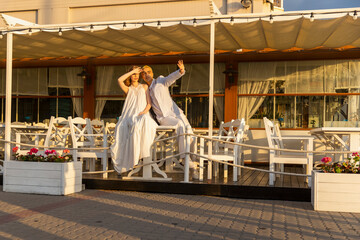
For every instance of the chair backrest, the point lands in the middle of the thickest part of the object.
(234, 128)
(110, 127)
(110, 132)
(97, 126)
(40, 124)
(232, 131)
(79, 128)
(273, 134)
(58, 133)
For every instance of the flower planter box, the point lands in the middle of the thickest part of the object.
(42, 177)
(339, 192)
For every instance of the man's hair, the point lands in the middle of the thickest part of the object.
(146, 66)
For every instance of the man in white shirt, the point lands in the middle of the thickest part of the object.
(166, 110)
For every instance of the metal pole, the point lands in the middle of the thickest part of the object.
(9, 56)
(211, 82)
(187, 155)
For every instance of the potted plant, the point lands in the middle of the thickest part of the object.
(335, 185)
(48, 173)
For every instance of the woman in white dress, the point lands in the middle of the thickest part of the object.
(135, 131)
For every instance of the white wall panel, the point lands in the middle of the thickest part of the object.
(139, 11)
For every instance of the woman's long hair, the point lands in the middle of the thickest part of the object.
(127, 81)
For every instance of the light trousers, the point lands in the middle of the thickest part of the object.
(181, 123)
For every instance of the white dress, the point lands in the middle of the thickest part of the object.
(134, 134)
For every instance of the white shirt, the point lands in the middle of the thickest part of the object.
(162, 103)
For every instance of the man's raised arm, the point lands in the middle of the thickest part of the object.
(171, 78)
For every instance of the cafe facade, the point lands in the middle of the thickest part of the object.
(300, 69)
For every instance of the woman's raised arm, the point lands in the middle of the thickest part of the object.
(125, 76)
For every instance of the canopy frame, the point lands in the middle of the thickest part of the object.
(206, 27)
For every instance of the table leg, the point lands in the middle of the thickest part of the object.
(170, 147)
(354, 142)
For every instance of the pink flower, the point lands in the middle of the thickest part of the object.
(47, 152)
(355, 154)
(66, 151)
(326, 159)
(33, 150)
(53, 152)
(15, 149)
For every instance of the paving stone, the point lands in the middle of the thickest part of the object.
(94, 214)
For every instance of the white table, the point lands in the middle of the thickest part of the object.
(339, 138)
(161, 132)
(16, 130)
(348, 137)
(168, 148)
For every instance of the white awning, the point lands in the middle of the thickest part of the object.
(246, 32)
(9, 21)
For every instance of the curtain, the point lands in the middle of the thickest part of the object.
(65, 77)
(354, 106)
(104, 82)
(354, 85)
(75, 83)
(26, 81)
(219, 108)
(247, 106)
(320, 76)
(196, 80)
(253, 78)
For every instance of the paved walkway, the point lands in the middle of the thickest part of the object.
(95, 214)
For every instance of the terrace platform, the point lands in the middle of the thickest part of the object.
(251, 185)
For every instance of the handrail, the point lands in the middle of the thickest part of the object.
(200, 136)
(197, 155)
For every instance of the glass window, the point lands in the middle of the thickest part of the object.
(196, 79)
(29, 81)
(342, 111)
(300, 77)
(265, 110)
(46, 109)
(27, 110)
(112, 110)
(310, 77)
(196, 110)
(65, 77)
(284, 111)
(65, 107)
(309, 111)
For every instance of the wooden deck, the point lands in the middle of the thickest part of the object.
(251, 185)
(248, 177)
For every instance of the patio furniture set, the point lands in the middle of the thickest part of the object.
(95, 134)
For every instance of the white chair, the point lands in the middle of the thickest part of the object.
(57, 135)
(40, 124)
(21, 124)
(110, 132)
(232, 131)
(83, 137)
(98, 127)
(275, 140)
